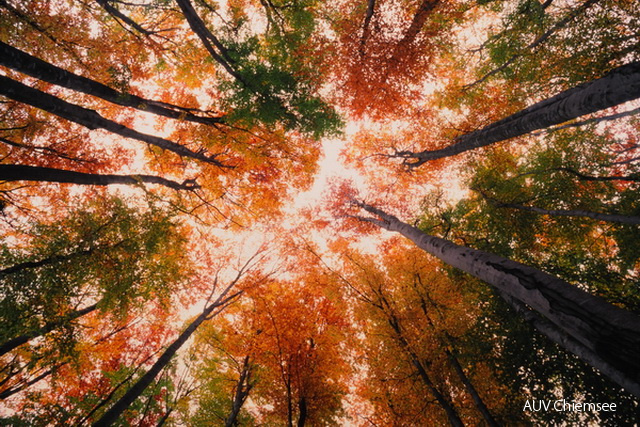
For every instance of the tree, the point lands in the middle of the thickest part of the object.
(577, 318)
(381, 57)
(619, 85)
(211, 309)
(408, 313)
(42, 174)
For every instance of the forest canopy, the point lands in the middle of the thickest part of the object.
(296, 212)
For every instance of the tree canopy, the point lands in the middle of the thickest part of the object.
(296, 212)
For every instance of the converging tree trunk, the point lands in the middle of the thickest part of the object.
(610, 333)
(91, 119)
(579, 213)
(444, 403)
(48, 327)
(453, 359)
(38, 173)
(620, 85)
(23, 62)
(139, 387)
(243, 388)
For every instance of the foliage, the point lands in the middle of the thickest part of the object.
(226, 109)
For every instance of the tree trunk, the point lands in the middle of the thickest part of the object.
(23, 62)
(622, 219)
(448, 408)
(138, 388)
(419, 18)
(537, 42)
(242, 392)
(91, 119)
(620, 85)
(48, 327)
(482, 408)
(45, 261)
(38, 173)
(453, 360)
(210, 42)
(580, 213)
(11, 391)
(302, 409)
(612, 333)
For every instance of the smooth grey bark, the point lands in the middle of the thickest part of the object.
(138, 388)
(620, 85)
(48, 327)
(610, 332)
(42, 174)
(30, 65)
(91, 119)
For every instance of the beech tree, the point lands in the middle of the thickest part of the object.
(571, 317)
(619, 85)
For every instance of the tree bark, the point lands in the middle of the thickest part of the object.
(243, 388)
(612, 333)
(42, 174)
(138, 388)
(91, 119)
(48, 327)
(620, 85)
(45, 261)
(23, 62)
(480, 405)
(106, 5)
(453, 360)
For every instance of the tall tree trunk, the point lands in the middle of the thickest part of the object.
(622, 219)
(425, 9)
(18, 388)
(611, 333)
(23, 62)
(477, 400)
(537, 42)
(444, 403)
(620, 85)
(453, 360)
(139, 387)
(243, 388)
(91, 119)
(48, 327)
(302, 409)
(215, 48)
(580, 213)
(42, 174)
(38, 173)
(44, 261)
